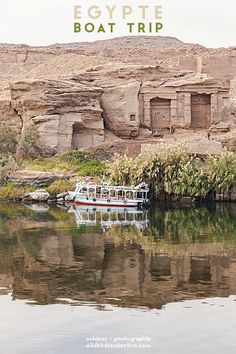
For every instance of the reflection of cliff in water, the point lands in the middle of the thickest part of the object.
(183, 254)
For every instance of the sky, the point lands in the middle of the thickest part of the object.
(41, 22)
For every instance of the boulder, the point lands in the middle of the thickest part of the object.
(230, 144)
(205, 147)
(145, 133)
(40, 195)
(62, 197)
(46, 151)
(221, 127)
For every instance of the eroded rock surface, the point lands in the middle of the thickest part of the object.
(132, 87)
(35, 178)
(67, 114)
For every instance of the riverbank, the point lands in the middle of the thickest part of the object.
(173, 172)
(24, 170)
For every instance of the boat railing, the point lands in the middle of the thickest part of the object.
(102, 196)
(111, 192)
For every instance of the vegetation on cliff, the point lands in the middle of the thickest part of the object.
(23, 153)
(14, 151)
(174, 171)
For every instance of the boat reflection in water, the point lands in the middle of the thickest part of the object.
(107, 217)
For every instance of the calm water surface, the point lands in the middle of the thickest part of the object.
(77, 280)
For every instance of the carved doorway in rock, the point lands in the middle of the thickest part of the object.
(200, 111)
(160, 113)
(82, 137)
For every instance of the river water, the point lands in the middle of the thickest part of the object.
(77, 280)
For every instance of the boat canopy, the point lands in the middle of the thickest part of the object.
(112, 191)
(141, 187)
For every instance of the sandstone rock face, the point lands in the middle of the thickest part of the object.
(188, 100)
(230, 144)
(9, 117)
(35, 178)
(212, 64)
(121, 109)
(130, 87)
(67, 114)
(221, 127)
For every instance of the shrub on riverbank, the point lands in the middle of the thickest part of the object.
(84, 164)
(22, 152)
(12, 192)
(174, 171)
(60, 186)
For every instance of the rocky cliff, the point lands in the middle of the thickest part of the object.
(74, 92)
(63, 111)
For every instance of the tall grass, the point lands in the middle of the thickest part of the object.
(174, 171)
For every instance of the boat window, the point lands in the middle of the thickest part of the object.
(84, 190)
(105, 192)
(129, 195)
(139, 217)
(120, 194)
(130, 217)
(113, 193)
(139, 195)
(92, 193)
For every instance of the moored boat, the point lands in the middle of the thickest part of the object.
(103, 194)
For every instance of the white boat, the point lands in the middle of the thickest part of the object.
(88, 193)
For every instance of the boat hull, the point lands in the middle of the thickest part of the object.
(111, 203)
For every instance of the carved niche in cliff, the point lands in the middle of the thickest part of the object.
(200, 110)
(160, 113)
